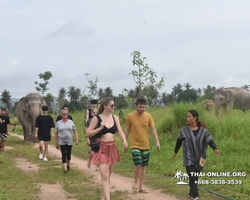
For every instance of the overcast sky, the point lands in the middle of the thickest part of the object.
(200, 42)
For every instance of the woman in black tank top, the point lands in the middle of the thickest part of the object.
(104, 126)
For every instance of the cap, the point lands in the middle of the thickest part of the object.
(45, 108)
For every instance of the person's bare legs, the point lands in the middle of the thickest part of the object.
(104, 171)
(137, 171)
(45, 154)
(41, 146)
(90, 158)
(2, 145)
(142, 177)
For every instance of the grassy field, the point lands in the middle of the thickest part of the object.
(230, 132)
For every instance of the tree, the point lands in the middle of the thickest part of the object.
(187, 86)
(42, 87)
(144, 77)
(209, 92)
(246, 87)
(6, 99)
(176, 91)
(120, 101)
(93, 89)
(49, 98)
(61, 97)
(100, 93)
(74, 93)
(189, 95)
(108, 92)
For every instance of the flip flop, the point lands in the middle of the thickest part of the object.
(143, 191)
(135, 190)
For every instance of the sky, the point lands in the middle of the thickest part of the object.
(199, 42)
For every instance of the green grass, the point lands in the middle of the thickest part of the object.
(230, 132)
(15, 184)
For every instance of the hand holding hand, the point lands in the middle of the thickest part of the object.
(125, 146)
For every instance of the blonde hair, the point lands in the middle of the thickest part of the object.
(105, 101)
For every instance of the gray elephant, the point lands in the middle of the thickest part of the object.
(208, 104)
(232, 97)
(28, 108)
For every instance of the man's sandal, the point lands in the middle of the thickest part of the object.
(134, 189)
(143, 191)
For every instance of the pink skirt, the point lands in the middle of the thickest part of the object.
(108, 154)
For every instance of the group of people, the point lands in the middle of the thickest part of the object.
(101, 126)
(64, 130)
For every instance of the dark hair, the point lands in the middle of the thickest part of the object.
(194, 113)
(103, 102)
(45, 108)
(140, 101)
(3, 109)
(94, 101)
(65, 106)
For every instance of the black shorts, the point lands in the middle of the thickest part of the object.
(44, 137)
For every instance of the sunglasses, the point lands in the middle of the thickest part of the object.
(65, 114)
(112, 106)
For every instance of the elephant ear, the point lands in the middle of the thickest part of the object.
(21, 104)
(228, 95)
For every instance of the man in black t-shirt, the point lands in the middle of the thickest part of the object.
(59, 117)
(4, 129)
(44, 130)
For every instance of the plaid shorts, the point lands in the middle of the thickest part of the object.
(3, 136)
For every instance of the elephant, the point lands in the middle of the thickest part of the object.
(208, 103)
(231, 97)
(27, 109)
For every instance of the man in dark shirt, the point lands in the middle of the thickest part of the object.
(59, 117)
(4, 129)
(44, 126)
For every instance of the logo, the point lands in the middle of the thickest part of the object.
(181, 177)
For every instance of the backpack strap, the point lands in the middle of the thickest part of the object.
(99, 121)
(98, 135)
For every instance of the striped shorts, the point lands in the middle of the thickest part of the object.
(140, 157)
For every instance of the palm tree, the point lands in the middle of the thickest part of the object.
(187, 86)
(61, 97)
(100, 93)
(49, 98)
(108, 92)
(6, 99)
(74, 93)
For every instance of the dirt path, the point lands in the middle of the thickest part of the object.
(117, 182)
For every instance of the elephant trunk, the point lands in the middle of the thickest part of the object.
(34, 111)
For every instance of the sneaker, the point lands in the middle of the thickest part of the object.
(41, 156)
(190, 196)
(197, 198)
(45, 159)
